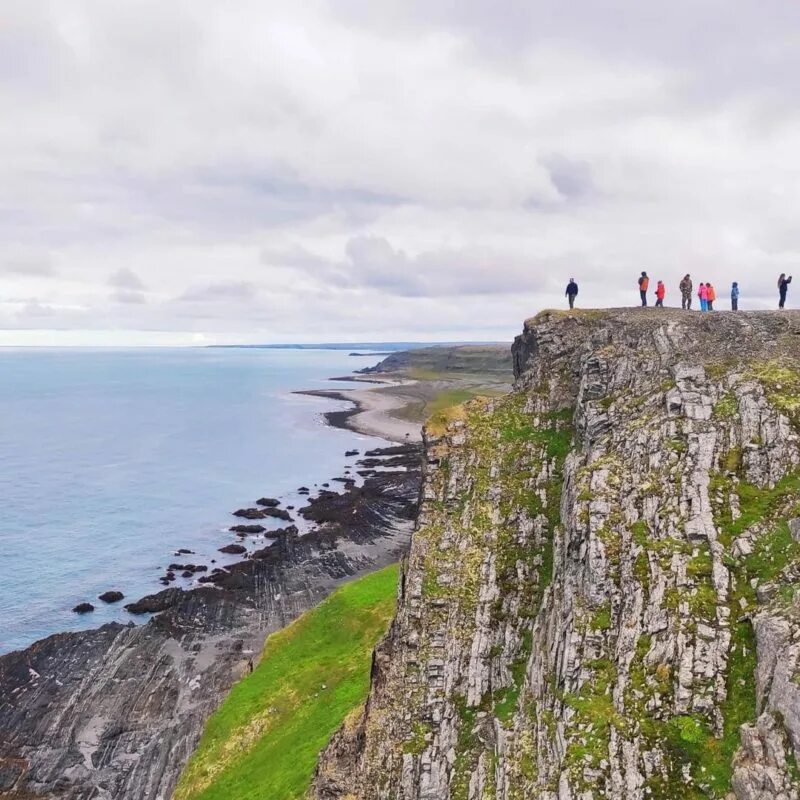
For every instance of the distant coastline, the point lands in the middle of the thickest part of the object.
(376, 348)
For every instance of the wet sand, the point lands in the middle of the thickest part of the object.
(372, 409)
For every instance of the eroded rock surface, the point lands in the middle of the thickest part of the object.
(113, 713)
(600, 599)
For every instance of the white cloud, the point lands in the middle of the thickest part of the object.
(125, 278)
(386, 168)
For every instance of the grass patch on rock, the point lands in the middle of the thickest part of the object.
(265, 739)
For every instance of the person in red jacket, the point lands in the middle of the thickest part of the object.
(661, 290)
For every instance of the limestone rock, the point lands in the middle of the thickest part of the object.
(599, 583)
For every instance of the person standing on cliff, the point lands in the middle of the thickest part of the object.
(734, 296)
(686, 292)
(644, 283)
(572, 292)
(661, 290)
(702, 295)
(711, 296)
(783, 286)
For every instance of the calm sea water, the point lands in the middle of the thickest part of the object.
(111, 460)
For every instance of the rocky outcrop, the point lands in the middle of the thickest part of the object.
(600, 598)
(113, 713)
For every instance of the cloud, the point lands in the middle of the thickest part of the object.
(219, 292)
(128, 297)
(126, 279)
(572, 179)
(373, 263)
(448, 166)
(28, 264)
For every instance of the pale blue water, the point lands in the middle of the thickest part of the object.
(110, 460)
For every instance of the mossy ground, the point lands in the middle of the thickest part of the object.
(265, 739)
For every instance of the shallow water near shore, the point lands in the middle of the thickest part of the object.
(111, 460)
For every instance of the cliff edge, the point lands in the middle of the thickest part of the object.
(601, 600)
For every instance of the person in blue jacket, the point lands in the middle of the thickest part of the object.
(572, 292)
(735, 296)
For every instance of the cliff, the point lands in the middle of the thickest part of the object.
(600, 597)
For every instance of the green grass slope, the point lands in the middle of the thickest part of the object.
(265, 739)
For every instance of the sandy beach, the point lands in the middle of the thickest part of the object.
(372, 409)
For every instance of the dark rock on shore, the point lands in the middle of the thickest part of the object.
(184, 552)
(264, 552)
(83, 608)
(114, 713)
(303, 490)
(188, 567)
(349, 453)
(233, 549)
(247, 529)
(262, 513)
(153, 603)
(250, 513)
(289, 530)
(331, 509)
(270, 502)
(111, 596)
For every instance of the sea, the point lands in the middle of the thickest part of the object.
(113, 459)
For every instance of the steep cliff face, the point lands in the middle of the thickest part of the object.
(600, 598)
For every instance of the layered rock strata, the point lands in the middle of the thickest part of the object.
(602, 594)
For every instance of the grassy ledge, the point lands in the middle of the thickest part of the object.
(265, 739)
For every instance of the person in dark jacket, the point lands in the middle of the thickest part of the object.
(644, 282)
(572, 292)
(686, 291)
(783, 286)
(735, 296)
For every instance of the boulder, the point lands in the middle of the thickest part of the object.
(244, 530)
(270, 502)
(250, 513)
(111, 596)
(278, 513)
(233, 549)
(83, 608)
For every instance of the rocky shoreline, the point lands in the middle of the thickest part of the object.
(115, 712)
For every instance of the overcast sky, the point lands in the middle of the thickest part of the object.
(198, 171)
